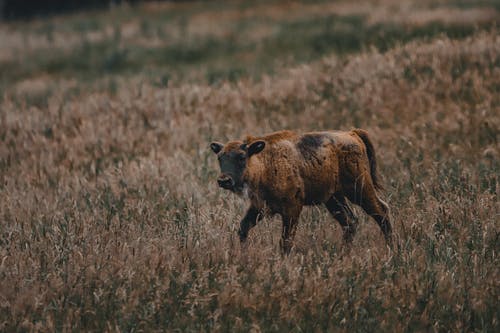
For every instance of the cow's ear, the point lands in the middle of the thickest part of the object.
(216, 147)
(255, 148)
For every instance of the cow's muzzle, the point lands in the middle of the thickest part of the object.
(225, 182)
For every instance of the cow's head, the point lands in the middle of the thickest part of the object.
(233, 160)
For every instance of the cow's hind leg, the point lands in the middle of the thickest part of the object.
(365, 195)
(339, 208)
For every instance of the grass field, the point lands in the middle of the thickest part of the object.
(110, 217)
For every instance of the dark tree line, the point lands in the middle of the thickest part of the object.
(26, 9)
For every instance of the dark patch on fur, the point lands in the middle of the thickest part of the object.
(351, 148)
(309, 144)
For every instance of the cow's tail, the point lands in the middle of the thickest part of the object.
(370, 151)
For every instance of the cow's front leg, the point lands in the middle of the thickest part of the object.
(290, 219)
(248, 222)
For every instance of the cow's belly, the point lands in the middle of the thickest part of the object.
(318, 191)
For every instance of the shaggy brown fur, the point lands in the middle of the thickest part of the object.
(284, 171)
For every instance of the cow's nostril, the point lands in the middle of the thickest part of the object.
(225, 182)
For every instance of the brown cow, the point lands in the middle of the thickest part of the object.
(284, 171)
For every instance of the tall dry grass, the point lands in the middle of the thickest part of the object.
(111, 219)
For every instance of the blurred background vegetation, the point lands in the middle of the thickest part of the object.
(213, 41)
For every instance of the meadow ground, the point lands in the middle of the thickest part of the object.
(110, 217)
